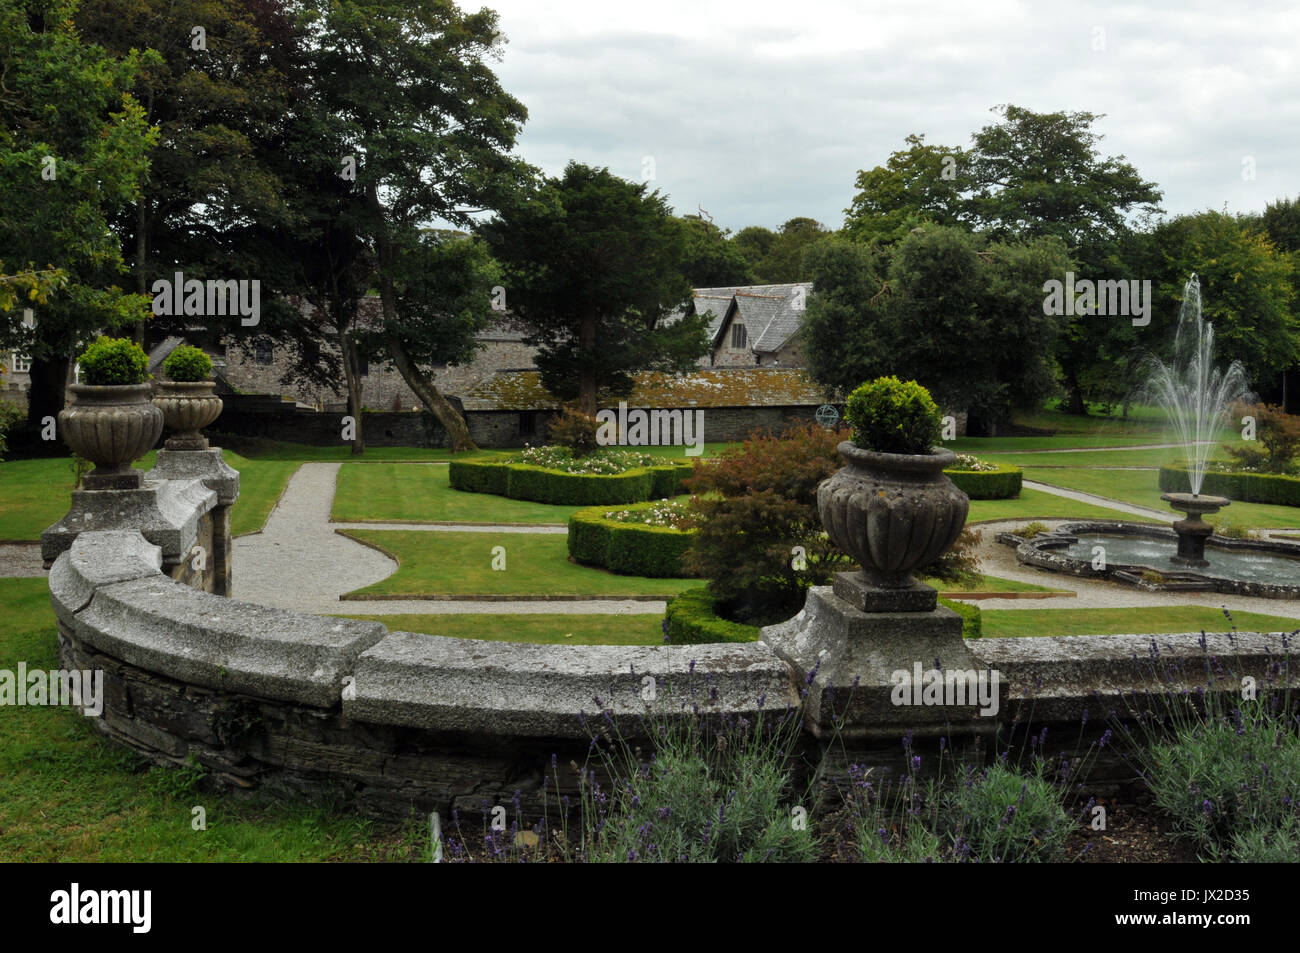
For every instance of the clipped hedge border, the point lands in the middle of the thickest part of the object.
(1000, 484)
(523, 481)
(1275, 488)
(629, 549)
(972, 625)
(690, 620)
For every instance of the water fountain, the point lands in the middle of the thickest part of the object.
(1195, 396)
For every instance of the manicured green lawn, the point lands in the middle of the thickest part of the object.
(399, 492)
(34, 494)
(548, 629)
(436, 565)
(1143, 489)
(1008, 623)
(990, 584)
(1035, 504)
(1089, 458)
(263, 449)
(66, 793)
(981, 445)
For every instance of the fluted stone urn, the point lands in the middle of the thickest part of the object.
(112, 426)
(895, 513)
(187, 407)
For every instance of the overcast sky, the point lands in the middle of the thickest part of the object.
(760, 111)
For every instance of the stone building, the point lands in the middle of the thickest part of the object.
(262, 369)
(754, 325)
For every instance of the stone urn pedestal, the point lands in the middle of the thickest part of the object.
(1193, 531)
(187, 407)
(894, 513)
(112, 426)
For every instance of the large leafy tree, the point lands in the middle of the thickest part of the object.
(74, 147)
(1247, 291)
(593, 264)
(711, 261)
(918, 184)
(1042, 174)
(959, 313)
(753, 242)
(409, 82)
(784, 262)
(219, 89)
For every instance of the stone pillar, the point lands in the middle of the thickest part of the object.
(181, 506)
(880, 685)
(218, 476)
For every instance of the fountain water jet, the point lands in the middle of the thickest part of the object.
(1195, 396)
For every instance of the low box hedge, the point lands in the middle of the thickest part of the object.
(523, 481)
(1275, 488)
(629, 549)
(477, 476)
(690, 620)
(1000, 484)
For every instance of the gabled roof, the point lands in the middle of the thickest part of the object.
(712, 387)
(771, 313)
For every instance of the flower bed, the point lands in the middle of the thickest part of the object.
(552, 475)
(641, 540)
(981, 480)
(1245, 487)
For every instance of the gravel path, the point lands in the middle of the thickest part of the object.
(1081, 497)
(299, 563)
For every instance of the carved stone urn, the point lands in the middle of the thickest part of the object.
(895, 513)
(187, 407)
(112, 426)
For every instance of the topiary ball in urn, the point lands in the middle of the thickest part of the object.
(109, 419)
(891, 508)
(188, 400)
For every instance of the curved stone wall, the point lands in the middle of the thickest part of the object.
(391, 722)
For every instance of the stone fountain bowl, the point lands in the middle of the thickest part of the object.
(1068, 550)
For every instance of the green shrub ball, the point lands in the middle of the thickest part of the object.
(893, 416)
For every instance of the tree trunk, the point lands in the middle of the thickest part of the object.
(140, 256)
(587, 377)
(49, 381)
(438, 405)
(354, 391)
(1076, 404)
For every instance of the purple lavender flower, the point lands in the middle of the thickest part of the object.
(1105, 739)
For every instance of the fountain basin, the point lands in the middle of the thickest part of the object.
(1142, 556)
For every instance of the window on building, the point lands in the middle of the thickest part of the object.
(20, 364)
(527, 423)
(738, 336)
(363, 365)
(263, 354)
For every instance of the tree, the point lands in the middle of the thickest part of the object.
(961, 315)
(753, 243)
(711, 261)
(916, 185)
(1246, 290)
(74, 145)
(1281, 222)
(219, 87)
(1041, 174)
(409, 83)
(593, 266)
(784, 261)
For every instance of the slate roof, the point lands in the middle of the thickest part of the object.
(712, 387)
(767, 311)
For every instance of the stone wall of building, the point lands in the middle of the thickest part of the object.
(382, 388)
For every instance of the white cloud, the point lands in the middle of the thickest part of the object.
(761, 112)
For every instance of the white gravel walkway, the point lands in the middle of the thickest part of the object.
(299, 563)
(1081, 497)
